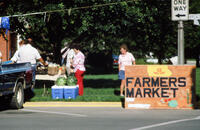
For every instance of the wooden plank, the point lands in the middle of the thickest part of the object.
(160, 87)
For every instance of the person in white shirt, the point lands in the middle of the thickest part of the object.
(64, 51)
(68, 55)
(16, 56)
(69, 60)
(125, 58)
(28, 53)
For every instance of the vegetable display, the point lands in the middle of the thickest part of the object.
(61, 81)
(71, 81)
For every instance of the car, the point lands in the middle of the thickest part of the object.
(115, 59)
(15, 78)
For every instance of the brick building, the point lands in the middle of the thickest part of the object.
(9, 46)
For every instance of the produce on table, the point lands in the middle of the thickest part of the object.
(71, 81)
(61, 81)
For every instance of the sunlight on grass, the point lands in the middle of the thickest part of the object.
(99, 88)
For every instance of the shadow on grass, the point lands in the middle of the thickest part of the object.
(101, 70)
(122, 99)
(88, 83)
(42, 83)
(101, 83)
(28, 94)
(117, 92)
(123, 102)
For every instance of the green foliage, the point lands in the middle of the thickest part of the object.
(145, 25)
(192, 33)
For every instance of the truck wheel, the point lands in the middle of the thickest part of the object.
(17, 100)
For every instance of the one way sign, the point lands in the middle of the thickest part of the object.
(180, 10)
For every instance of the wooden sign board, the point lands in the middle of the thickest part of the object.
(159, 87)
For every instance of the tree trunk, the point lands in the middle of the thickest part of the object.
(56, 53)
(109, 63)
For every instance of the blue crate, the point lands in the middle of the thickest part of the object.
(70, 92)
(57, 92)
(77, 89)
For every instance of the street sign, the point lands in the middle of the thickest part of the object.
(195, 17)
(180, 10)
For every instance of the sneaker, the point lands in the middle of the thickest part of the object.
(122, 95)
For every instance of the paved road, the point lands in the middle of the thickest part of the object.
(96, 118)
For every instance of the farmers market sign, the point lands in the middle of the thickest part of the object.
(159, 86)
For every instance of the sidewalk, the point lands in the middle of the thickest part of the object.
(73, 104)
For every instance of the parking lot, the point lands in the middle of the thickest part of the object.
(97, 118)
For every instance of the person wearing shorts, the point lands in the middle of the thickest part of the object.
(125, 58)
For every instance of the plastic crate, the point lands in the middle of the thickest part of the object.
(70, 92)
(57, 92)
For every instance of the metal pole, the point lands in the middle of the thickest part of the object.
(180, 43)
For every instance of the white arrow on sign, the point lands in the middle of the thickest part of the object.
(195, 17)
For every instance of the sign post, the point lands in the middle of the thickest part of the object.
(180, 43)
(180, 13)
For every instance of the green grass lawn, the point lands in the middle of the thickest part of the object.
(97, 88)
(90, 94)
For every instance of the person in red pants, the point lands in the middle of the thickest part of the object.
(79, 68)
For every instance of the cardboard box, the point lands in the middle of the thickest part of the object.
(53, 70)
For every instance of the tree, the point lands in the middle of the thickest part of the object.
(159, 29)
(100, 27)
(192, 34)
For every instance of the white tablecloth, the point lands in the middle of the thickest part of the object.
(48, 77)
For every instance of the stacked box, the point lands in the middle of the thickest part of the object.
(70, 92)
(57, 92)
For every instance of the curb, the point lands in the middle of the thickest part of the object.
(73, 104)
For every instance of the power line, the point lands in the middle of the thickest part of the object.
(76, 8)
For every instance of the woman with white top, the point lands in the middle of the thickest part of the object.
(69, 60)
(79, 68)
(125, 58)
(64, 51)
(68, 54)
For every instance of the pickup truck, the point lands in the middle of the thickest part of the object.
(14, 79)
